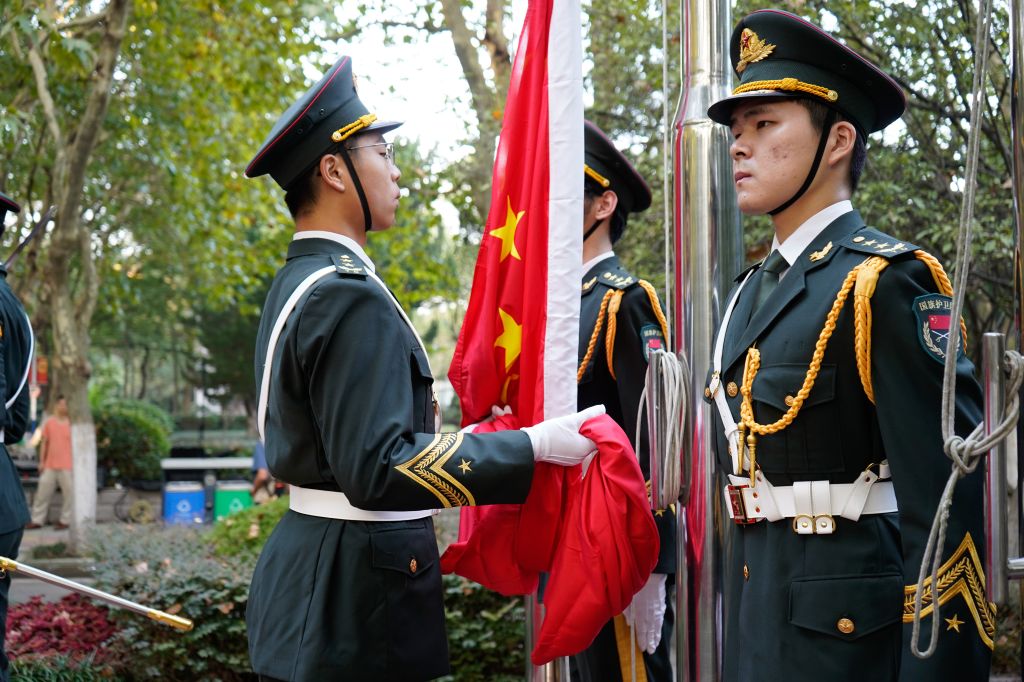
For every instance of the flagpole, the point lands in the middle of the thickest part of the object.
(12, 566)
(708, 255)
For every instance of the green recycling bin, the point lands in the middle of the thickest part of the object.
(230, 497)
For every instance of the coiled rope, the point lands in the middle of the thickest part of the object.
(965, 453)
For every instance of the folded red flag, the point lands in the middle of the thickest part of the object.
(595, 536)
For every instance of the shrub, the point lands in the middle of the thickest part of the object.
(131, 438)
(246, 531)
(60, 668)
(485, 633)
(175, 569)
(73, 634)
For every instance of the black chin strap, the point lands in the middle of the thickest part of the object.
(825, 131)
(591, 230)
(359, 186)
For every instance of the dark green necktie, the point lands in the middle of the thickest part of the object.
(773, 266)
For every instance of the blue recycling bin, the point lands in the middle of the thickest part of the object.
(184, 502)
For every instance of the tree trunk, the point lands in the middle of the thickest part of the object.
(69, 270)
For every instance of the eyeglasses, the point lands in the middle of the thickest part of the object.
(389, 149)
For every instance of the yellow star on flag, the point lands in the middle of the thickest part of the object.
(511, 338)
(507, 232)
(954, 623)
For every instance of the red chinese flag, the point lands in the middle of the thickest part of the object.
(518, 341)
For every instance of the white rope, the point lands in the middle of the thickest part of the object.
(964, 452)
(670, 409)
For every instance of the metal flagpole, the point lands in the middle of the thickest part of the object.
(708, 255)
(177, 622)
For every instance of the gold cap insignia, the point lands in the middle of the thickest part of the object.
(752, 49)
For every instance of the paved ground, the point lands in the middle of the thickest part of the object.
(22, 588)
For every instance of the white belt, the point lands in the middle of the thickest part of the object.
(330, 504)
(813, 505)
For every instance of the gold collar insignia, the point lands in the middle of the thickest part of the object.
(752, 49)
(818, 255)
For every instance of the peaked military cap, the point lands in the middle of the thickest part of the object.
(778, 54)
(325, 116)
(606, 166)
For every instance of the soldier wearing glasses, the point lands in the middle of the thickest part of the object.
(349, 585)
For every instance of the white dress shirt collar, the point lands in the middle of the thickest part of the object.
(797, 242)
(347, 242)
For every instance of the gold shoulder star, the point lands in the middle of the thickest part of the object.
(954, 623)
(465, 467)
(507, 232)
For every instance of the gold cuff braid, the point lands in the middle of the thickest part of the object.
(962, 575)
(427, 469)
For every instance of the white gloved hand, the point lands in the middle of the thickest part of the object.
(495, 413)
(558, 440)
(646, 613)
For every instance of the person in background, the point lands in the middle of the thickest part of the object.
(54, 467)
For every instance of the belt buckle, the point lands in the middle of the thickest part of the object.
(739, 507)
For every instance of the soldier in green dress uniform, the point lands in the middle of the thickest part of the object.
(15, 357)
(349, 585)
(826, 383)
(621, 322)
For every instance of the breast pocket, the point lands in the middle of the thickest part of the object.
(422, 390)
(849, 623)
(810, 444)
(408, 561)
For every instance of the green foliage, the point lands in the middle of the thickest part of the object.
(485, 633)
(58, 669)
(132, 437)
(245, 532)
(176, 570)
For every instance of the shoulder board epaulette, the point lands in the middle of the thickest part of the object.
(348, 266)
(875, 243)
(616, 279)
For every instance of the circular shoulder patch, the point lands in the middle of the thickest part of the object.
(652, 338)
(934, 324)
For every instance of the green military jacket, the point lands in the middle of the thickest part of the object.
(838, 607)
(15, 342)
(351, 409)
(618, 383)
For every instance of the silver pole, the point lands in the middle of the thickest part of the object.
(992, 348)
(708, 255)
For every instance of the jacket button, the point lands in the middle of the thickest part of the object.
(746, 572)
(789, 401)
(707, 392)
(412, 565)
(732, 389)
(858, 239)
(845, 626)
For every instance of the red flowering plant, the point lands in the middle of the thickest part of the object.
(74, 628)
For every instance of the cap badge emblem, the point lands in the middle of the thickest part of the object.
(752, 49)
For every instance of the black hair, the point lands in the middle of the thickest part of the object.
(859, 156)
(301, 194)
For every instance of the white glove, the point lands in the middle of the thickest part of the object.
(558, 440)
(495, 413)
(646, 613)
